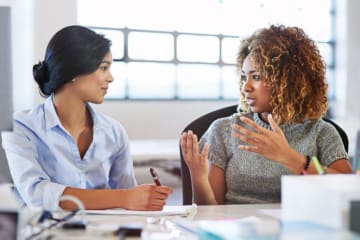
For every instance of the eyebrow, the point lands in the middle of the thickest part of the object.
(250, 72)
(108, 62)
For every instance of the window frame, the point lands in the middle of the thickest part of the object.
(330, 67)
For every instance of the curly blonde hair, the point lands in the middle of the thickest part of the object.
(292, 68)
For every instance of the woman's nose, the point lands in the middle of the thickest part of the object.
(246, 85)
(111, 78)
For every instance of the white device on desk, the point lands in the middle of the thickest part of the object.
(321, 199)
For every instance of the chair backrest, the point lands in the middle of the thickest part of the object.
(341, 132)
(199, 127)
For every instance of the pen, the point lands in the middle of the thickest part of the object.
(318, 167)
(155, 177)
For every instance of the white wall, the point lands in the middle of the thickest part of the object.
(36, 20)
(22, 45)
(49, 17)
(33, 23)
(353, 52)
(347, 110)
(150, 119)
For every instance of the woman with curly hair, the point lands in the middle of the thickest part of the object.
(241, 158)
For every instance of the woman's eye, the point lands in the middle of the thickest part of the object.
(256, 77)
(104, 68)
(242, 77)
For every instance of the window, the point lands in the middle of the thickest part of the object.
(185, 49)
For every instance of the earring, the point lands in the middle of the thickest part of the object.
(73, 80)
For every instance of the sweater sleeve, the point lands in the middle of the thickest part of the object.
(330, 145)
(218, 137)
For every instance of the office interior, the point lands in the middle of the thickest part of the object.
(32, 23)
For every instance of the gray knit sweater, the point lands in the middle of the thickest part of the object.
(252, 178)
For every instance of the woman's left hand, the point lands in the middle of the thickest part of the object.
(270, 144)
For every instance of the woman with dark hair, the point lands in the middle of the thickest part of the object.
(278, 126)
(64, 146)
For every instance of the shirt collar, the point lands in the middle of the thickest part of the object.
(52, 119)
(283, 127)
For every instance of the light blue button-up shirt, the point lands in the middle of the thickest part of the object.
(44, 158)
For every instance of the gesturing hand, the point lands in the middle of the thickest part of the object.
(270, 144)
(196, 161)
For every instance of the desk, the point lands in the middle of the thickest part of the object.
(111, 222)
(235, 211)
(204, 213)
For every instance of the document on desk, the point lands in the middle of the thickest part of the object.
(250, 227)
(184, 211)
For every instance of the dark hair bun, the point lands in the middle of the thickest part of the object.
(41, 73)
(41, 76)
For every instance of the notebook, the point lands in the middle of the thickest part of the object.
(182, 210)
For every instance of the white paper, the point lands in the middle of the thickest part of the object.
(167, 211)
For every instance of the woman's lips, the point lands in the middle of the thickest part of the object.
(250, 101)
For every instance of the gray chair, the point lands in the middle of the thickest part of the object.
(199, 127)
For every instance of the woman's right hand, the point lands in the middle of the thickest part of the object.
(199, 168)
(148, 197)
(196, 161)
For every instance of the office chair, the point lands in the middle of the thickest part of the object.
(341, 132)
(199, 127)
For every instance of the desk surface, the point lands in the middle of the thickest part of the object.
(203, 213)
(108, 223)
(100, 226)
(235, 211)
